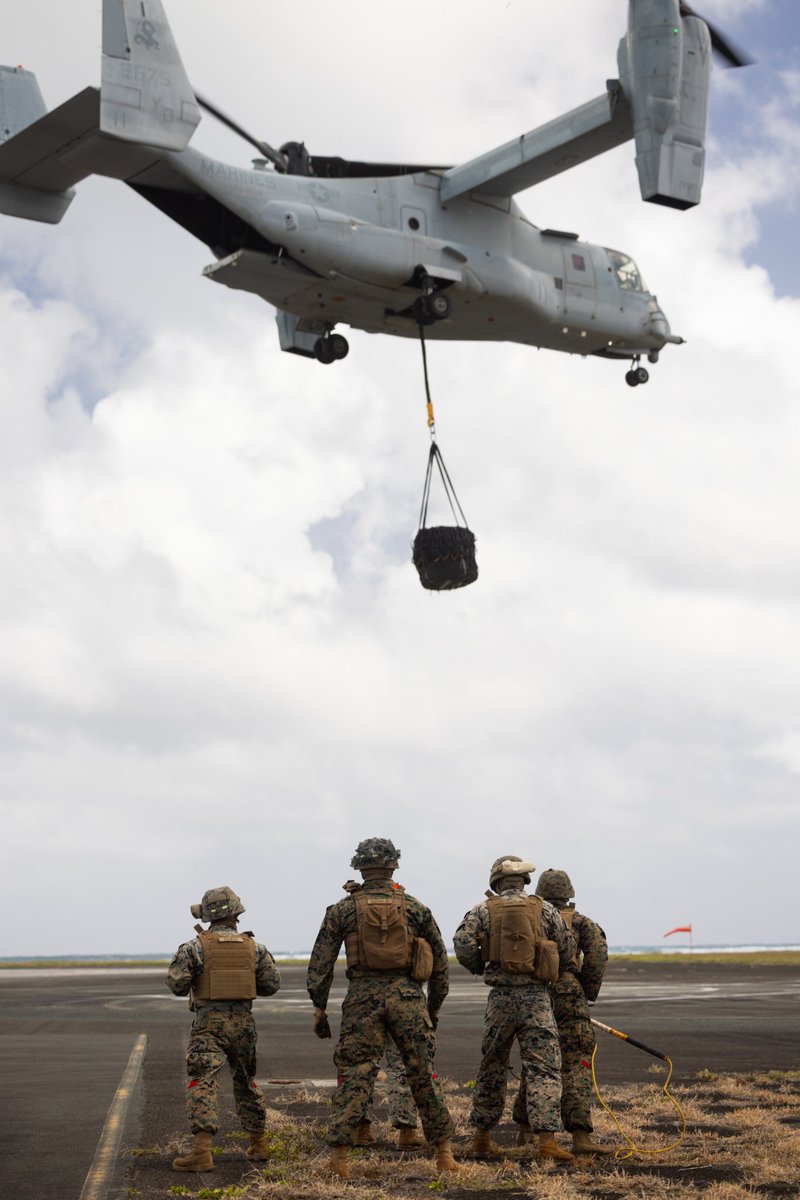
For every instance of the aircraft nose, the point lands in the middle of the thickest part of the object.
(658, 325)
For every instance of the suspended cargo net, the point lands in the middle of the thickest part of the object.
(444, 555)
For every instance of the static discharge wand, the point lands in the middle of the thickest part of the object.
(625, 1037)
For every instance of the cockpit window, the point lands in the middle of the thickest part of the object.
(626, 271)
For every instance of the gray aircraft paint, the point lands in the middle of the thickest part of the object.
(359, 251)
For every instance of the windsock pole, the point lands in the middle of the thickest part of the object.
(625, 1037)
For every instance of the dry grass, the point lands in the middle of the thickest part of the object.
(742, 1142)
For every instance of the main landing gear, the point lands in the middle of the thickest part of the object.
(434, 303)
(435, 306)
(637, 374)
(331, 348)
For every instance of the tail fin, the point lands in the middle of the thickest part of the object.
(145, 95)
(21, 105)
(145, 106)
(21, 101)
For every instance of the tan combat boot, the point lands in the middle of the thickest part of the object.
(483, 1146)
(524, 1134)
(582, 1143)
(339, 1163)
(549, 1148)
(409, 1139)
(364, 1135)
(199, 1157)
(258, 1149)
(444, 1156)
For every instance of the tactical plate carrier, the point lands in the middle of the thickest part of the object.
(229, 967)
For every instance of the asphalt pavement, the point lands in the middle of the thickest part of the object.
(66, 1038)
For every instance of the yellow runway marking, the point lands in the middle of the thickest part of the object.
(97, 1181)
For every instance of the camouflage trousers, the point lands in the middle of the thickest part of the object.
(373, 1009)
(576, 1038)
(523, 1013)
(402, 1109)
(220, 1036)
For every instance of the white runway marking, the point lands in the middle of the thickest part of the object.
(626, 993)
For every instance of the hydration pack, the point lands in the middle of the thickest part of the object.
(515, 942)
(382, 940)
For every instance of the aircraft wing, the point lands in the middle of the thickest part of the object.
(570, 139)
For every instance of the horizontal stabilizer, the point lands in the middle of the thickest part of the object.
(41, 163)
(552, 148)
(146, 96)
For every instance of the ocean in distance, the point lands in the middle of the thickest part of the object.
(302, 955)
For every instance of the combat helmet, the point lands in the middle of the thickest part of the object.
(509, 864)
(375, 852)
(555, 886)
(217, 904)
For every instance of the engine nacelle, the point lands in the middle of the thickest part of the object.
(664, 66)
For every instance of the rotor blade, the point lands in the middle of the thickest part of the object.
(731, 55)
(263, 148)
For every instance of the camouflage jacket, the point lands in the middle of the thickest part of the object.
(187, 964)
(466, 943)
(340, 919)
(592, 949)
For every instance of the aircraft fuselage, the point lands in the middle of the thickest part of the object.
(353, 252)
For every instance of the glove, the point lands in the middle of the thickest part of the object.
(321, 1026)
(434, 1016)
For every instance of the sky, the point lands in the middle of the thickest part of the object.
(217, 665)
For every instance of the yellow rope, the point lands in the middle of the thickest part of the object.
(621, 1155)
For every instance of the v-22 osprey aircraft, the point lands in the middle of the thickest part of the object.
(383, 247)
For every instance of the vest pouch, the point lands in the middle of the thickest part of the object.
(517, 945)
(421, 960)
(547, 963)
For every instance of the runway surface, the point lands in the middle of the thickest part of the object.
(66, 1038)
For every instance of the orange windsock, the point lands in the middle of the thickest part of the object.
(678, 929)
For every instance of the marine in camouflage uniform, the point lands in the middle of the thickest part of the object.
(402, 1109)
(222, 1031)
(578, 983)
(518, 1008)
(381, 1002)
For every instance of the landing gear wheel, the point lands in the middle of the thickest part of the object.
(438, 306)
(632, 379)
(642, 374)
(432, 307)
(323, 350)
(339, 346)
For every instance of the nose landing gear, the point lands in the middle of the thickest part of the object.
(637, 374)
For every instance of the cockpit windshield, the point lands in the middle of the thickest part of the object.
(626, 271)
